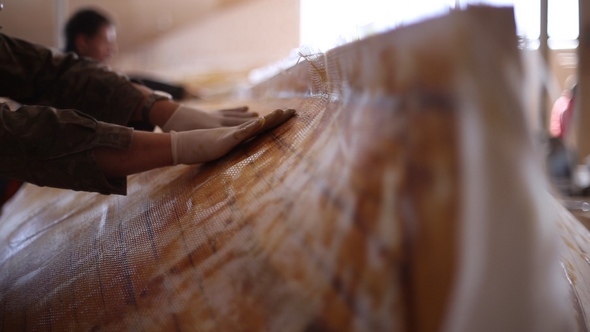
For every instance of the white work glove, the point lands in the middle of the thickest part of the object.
(202, 145)
(188, 118)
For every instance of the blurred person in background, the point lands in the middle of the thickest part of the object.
(560, 157)
(562, 111)
(92, 33)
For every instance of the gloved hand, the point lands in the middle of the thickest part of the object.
(198, 146)
(188, 118)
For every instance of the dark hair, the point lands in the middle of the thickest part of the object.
(87, 22)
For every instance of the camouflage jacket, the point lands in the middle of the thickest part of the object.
(79, 105)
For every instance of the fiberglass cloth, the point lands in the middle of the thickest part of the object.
(376, 208)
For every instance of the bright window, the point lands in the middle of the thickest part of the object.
(562, 25)
(328, 23)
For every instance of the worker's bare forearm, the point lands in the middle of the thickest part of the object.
(159, 113)
(148, 151)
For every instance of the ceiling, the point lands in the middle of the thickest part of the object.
(138, 21)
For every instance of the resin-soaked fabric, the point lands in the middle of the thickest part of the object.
(403, 196)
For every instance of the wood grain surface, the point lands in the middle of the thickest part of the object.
(350, 217)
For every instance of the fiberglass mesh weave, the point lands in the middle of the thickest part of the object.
(345, 218)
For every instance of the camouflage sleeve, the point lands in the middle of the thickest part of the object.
(32, 74)
(50, 147)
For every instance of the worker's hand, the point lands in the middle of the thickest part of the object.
(198, 146)
(188, 118)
